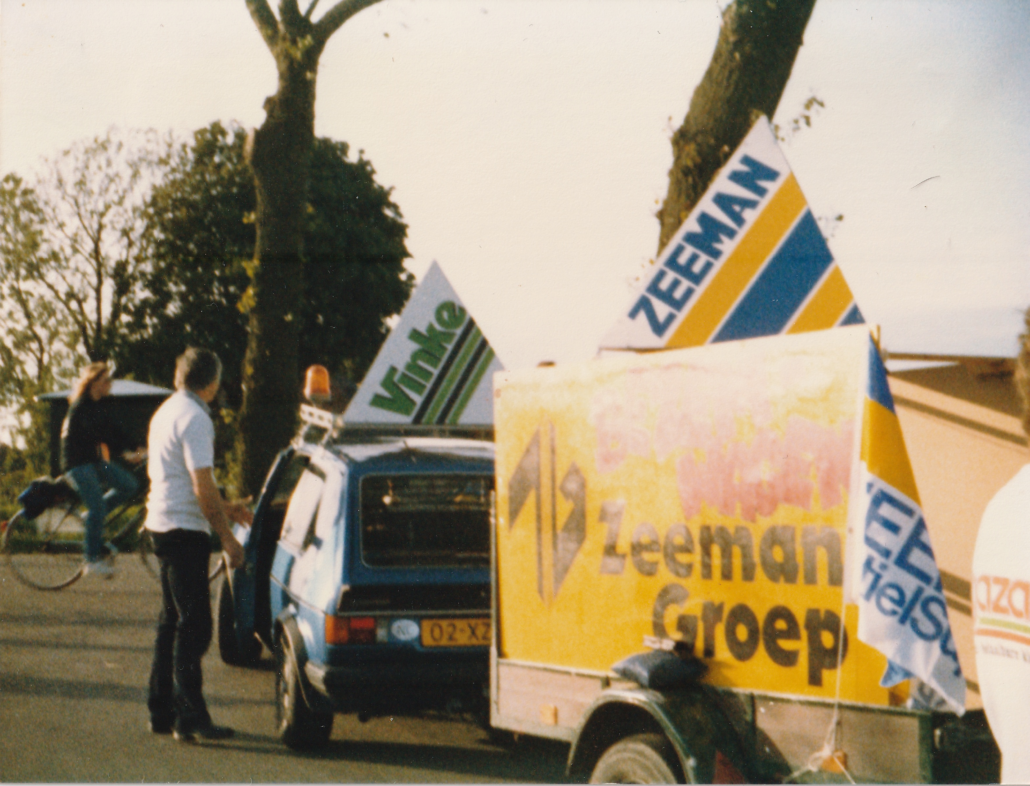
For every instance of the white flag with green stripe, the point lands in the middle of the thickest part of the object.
(434, 368)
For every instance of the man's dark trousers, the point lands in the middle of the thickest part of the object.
(183, 631)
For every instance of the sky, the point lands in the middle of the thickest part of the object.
(527, 142)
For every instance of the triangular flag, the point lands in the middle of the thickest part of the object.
(748, 261)
(895, 580)
(435, 367)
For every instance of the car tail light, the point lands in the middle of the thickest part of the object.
(350, 630)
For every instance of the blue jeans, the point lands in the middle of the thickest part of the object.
(87, 479)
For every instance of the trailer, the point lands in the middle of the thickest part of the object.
(678, 555)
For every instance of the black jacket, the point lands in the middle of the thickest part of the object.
(87, 424)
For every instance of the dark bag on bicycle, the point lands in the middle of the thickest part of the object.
(41, 494)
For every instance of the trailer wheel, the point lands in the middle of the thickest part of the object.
(642, 758)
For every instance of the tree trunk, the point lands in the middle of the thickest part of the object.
(279, 153)
(753, 58)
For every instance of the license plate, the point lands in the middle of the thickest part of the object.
(456, 632)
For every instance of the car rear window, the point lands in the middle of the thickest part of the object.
(425, 520)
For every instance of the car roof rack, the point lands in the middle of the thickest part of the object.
(319, 426)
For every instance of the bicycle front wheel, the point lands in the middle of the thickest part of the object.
(46, 552)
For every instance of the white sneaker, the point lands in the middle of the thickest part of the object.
(102, 568)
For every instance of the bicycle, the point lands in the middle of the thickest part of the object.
(45, 552)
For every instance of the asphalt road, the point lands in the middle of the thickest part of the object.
(73, 675)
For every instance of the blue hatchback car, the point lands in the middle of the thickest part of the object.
(367, 574)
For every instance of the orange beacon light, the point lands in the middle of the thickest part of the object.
(316, 385)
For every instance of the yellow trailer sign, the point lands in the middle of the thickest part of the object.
(698, 496)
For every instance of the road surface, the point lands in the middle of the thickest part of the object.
(73, 675)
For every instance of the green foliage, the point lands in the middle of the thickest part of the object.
(35, 336)
(18, 466)
(129, 249)
(14, 477)
(200, 240)
(32, 331)
(91, 199)
(354, 263)
(196, 241)
(69, 262)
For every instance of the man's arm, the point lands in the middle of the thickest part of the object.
(218, 513)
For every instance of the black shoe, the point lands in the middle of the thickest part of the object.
(160, 728)
(204, 733)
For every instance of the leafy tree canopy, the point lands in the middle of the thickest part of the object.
(34, 330)
(200, 240)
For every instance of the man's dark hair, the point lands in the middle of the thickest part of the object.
(1023, 371)
(197, 368)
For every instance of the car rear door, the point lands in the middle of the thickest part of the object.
(250, 582)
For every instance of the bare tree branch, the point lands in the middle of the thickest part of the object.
(336, 16)
(265, 21)
(289, 15)
(30, 323)
(311, 10)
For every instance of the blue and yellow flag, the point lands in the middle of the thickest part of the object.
(748, 261)
(894, 577)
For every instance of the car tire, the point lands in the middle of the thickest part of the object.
(642, 758)
(299, 727)
(228, 643)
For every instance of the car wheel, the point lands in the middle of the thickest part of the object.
(642, 758)
(298, 726)
(228, 643)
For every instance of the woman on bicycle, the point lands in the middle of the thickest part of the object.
(86, 427)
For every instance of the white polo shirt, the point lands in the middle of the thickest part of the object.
(181, 440)
(1001, 603)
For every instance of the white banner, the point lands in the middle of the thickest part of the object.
(435, 367)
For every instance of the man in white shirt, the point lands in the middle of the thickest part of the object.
(1001, 603)
(184, 506)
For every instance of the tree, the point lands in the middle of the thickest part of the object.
(69, 258)
(91, 201)
(69, 264)
(279, 153)
(354, 256)
(758, 43)
(34, 331)
(200, 235)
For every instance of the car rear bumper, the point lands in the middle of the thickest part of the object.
(401, 687)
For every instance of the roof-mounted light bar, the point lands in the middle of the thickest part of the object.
(319, 426)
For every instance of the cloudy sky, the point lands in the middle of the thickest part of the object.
(527, 141)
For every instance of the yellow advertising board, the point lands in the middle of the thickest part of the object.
(696, 495)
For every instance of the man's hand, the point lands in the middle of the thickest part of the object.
(218, 512)
(233, 551)
(239, 511)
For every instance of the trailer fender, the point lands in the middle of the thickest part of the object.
(687, 718)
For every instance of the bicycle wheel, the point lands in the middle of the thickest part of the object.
(124, 530)
(46, 552)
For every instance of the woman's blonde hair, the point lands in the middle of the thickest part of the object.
(87, 377)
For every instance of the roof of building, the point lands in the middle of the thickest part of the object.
(119, 388)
